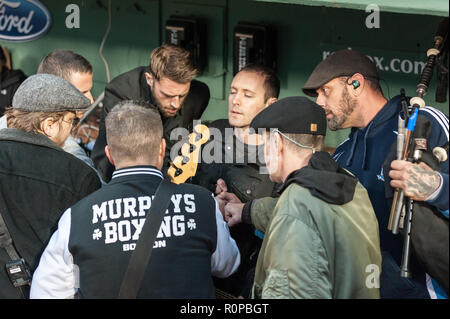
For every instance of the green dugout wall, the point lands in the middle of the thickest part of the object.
(307, 31)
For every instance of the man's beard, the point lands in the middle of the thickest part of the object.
(161, 109)
(346, 105)
(165, 113)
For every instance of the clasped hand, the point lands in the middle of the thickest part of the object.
(229, 204)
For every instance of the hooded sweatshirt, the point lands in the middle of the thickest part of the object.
(307, 251)
(364, 153)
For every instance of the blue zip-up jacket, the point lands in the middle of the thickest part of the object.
(363, 153)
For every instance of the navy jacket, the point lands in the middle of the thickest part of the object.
(95, 238)
(364, 153)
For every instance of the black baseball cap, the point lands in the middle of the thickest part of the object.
(292, 115)
(340, 63)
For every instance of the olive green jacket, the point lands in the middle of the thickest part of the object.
(313, 249)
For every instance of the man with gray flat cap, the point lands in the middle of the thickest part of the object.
(308, 251)
(38, 180)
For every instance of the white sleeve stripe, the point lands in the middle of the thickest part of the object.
(336, 156)
(438, 119)
(348, 138)
(442, 117)
(438, 113)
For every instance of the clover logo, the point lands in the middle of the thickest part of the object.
(97, 234)
(191, 224)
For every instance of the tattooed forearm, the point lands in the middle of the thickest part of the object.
(422, 181)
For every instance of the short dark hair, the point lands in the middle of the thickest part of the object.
(271, 80)
(374, 84)
(64, 63)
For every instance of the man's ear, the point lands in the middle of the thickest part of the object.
(47, 126)
(108, 154)
(359, 85)
(149, 78)
(280, 144)
(162, 152)
(162, 148)
(270, 101)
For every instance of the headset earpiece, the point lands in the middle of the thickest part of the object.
(355, 84)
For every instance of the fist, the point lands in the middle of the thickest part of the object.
(233, 213)
(418, 181)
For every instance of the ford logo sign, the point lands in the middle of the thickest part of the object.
(23, 20)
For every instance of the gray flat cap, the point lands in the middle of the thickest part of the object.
(48, 93)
